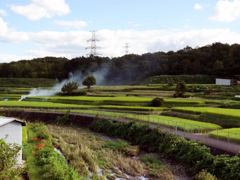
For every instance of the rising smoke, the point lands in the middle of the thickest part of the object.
(76, 76)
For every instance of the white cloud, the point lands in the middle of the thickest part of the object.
(3, 12)
(71, 24)
(137, 25)
(73, 43)
(225, 11)
(9, 58)
(42, 9)
(11, 35)
(198, 7)
(134, 24)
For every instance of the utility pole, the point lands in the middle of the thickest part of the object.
(93, 47)
(126, 48)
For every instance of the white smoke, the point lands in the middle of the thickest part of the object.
(77, 77)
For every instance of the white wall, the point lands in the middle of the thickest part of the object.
(14, 131)
(223, 82)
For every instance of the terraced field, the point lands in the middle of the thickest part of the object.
(209, 110)
(232, 135)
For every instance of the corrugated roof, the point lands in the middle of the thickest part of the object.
(6, 120)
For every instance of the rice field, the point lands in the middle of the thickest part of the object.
(123, 99)
(22, 104)
(16, 104)
(232, 135)
(172, 122)
(209, 110)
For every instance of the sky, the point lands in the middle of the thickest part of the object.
(61, 28)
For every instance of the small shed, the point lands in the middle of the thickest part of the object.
(13, 128)
(223, 81)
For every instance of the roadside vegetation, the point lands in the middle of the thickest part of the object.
(43, 162)
(193, 153)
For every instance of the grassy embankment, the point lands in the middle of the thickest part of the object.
(227, 118)
(43, 162)
(83, 149)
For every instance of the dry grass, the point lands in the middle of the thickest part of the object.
(83, 150)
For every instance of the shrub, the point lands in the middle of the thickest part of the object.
(69, 87)
(157, 102)
(64, 118)
(204, 175)
(8, 154)
(181, 88)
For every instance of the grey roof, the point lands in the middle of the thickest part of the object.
(6, 120)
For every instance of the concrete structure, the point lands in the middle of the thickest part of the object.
(223, 81)
(13, 128)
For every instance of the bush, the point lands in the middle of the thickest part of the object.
(64, 118)
(181, 88)
(204, 175)
(157, 102)
(69, 87)
(190, 152)
(8, 154)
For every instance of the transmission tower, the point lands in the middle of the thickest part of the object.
(126, 48)
(93, 46)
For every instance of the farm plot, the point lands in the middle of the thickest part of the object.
(41, 105)
(10, 96)
(231, 135)
(51, 105)
(127, 100)
(209, 110)
(171, 122)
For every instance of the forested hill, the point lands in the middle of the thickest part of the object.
(218, 60)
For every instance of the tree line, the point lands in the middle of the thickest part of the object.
(217, 59)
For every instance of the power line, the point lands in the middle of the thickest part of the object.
(126, 48)
(93, 47)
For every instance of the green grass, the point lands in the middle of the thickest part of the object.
(24, 133)
(233, 134)
(210, 110)
(184, 101)
(183, 124)
(61, 105)
(42, 104)
(94, 99)
(10, 97)
(115, 145)
(124, 100)
(133, 108)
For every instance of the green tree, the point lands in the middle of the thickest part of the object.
(157, 102)
(181, 88)
(69, 87)
(89, 81)
(8, 154)
(218, 65)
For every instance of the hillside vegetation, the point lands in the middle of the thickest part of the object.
(215, 60)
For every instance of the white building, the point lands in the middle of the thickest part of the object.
(223, 81)
(13, 128)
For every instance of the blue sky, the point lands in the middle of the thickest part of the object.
(39, 28)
